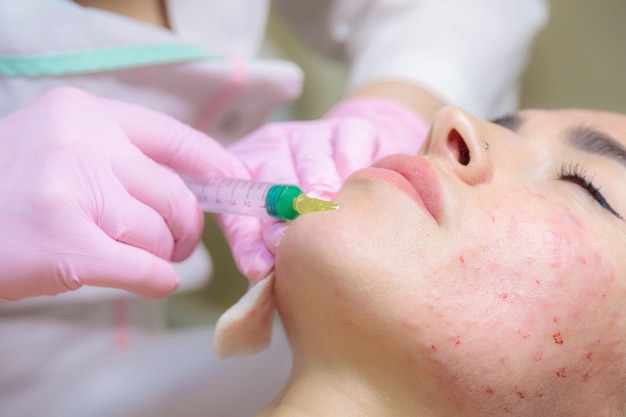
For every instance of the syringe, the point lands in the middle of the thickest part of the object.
(254, 198)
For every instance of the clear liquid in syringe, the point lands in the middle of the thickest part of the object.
(232, 196)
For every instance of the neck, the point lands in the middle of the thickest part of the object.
(323, 394)
(333, 391)
(336, 391)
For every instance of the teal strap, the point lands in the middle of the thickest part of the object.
(101, 59)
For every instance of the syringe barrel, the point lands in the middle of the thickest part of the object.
(231, 196)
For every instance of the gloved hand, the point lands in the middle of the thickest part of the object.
(88, 195)
(318, 156)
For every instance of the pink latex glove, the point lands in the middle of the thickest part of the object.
(318, 156)
(88, 195)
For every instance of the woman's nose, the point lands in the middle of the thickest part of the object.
(463, 142)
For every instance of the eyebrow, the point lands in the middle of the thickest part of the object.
(596, 142)
(585, 138)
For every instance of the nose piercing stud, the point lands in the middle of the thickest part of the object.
(486, 145)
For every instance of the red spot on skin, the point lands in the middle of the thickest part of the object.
(520, 394)
(524, 335)
(538, 282)
(561, 373)
(461, 259)
(574, 220)
(557, 338)
(489, 391)
(458, 341)
(433, 348)
(586, 377)
(503, 296)
(589, 356)
(555, 319)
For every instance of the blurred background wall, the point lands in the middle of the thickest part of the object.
(579, 60)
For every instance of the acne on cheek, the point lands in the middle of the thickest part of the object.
(565, 282)
(517, 359)
(549, 250)
(560, 236)
(551, 315)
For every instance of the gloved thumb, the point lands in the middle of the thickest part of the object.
(273, 233)
(245, 239)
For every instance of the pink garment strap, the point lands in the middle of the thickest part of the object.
(238, 77)
(122, 325)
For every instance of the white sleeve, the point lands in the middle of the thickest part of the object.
(468, 52)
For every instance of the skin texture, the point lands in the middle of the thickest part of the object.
(486, 286)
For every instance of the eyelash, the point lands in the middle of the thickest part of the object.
(576, 174)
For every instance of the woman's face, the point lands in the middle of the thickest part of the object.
(491, 267)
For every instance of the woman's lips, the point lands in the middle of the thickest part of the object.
(413, 175)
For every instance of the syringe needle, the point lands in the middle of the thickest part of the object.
(305, 204)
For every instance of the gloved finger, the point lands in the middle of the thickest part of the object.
(245, 239)
(174, 144)
(165, 192)
(314, 160)
(107, 263)
(273, 232)
(268, 154)
(355, 147)
(131, 222)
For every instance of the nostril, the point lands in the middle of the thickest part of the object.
(459, 147)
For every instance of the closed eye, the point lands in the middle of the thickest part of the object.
(576, 174)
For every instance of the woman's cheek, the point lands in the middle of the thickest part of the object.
(532, 311)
